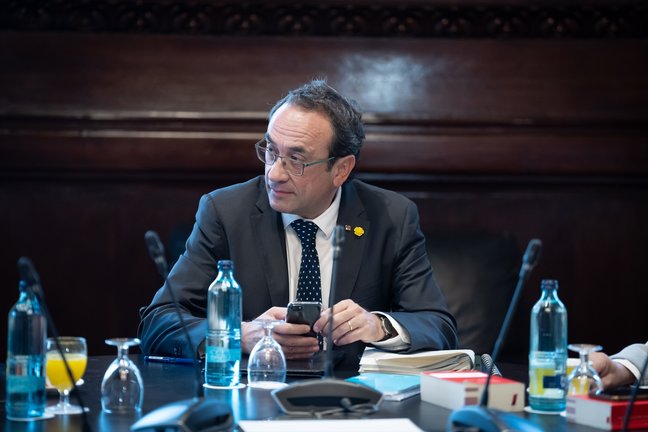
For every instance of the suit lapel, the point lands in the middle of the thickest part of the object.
(269, 231)
(351, 216)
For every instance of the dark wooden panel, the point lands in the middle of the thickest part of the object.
(484, 81)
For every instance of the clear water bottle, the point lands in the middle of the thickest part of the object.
(27, 332)
(223, 348)
(548, 351)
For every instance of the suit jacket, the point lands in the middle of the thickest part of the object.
(635, 354)
(386, 269)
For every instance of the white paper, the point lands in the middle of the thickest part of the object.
(373, 425)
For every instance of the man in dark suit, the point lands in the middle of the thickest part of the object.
(386, 294)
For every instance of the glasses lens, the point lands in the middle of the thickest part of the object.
(294, 167)
(264, 154)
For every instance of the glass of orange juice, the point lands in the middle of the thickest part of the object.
(75, 352)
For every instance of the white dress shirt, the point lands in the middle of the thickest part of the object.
(323, 243)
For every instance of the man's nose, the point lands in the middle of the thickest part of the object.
(277, 171)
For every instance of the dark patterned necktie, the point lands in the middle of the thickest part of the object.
(309, 285)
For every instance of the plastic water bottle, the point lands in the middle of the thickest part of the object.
(548, 351)
(27, 332)
(223, 348)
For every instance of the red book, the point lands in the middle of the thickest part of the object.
(603, 414)
(453, 390)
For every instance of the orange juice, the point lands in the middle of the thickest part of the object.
(57, 374)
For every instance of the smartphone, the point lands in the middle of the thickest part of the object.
(300, 312)
(620, 394)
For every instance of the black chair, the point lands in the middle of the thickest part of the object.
(477, 272)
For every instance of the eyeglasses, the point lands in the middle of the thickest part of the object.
(291, 163)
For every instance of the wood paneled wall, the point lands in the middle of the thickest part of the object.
(103, 136)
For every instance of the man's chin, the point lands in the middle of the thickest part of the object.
(280, 206)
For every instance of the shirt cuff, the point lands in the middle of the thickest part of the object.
(629, 365)
(397, 343)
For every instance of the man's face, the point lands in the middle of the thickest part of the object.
(295, 132)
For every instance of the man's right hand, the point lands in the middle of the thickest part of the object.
(613, 374)
(289, 336)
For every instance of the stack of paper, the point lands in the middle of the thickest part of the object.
(394, 387)
(375, 360)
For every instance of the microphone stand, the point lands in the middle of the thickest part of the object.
(480, 416)
(633, 397)
(28, 274)
(188, 415)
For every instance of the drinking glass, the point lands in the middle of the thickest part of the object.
(584, 379)
(76, 354)
(267, 363)
(122, 388)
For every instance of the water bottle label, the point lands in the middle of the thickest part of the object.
(25, 383)
(216, 354)
(552, 382)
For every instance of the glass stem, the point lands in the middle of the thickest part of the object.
(64, 398)
(584, 358)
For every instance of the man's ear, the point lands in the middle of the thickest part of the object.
(342, 169)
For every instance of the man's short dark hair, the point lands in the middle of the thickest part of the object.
(344, 114)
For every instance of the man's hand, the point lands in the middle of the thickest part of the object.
(289, 336)
(351, 323)
(612, 374)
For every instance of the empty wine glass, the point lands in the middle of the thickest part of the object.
(584, 379)
(76, 355)
(267, 363)
(122, 388)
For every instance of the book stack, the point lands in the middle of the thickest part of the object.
(606, 414)
(375, 360)
(453, 390)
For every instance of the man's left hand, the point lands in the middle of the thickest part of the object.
(351, 323)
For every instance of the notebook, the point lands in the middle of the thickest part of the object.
(311, 367)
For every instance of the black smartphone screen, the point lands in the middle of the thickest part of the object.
(303, 312)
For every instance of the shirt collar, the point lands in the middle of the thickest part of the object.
(325, 222)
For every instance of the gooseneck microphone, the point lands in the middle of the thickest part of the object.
(480, 416)
(633, 397)
(188, 415)
(338, 239)
(28, 273)
(156, 252)
(328, 395)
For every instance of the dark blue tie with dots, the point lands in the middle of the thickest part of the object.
(309, 285)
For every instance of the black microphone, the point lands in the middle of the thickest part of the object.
(633, 397)
(188, 415)
(480, 416)
(328, 395)
(28, 273)
(338, 239)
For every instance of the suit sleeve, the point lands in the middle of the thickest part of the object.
(418, 304)
(160, 330)
(635, 354)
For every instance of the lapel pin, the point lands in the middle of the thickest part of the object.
(358, 231)
(347, 227)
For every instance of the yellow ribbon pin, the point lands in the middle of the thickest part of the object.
(358, 231)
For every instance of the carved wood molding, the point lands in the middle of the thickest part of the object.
(416, 19)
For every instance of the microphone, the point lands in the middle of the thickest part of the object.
(480, 416)
(328, 395)
(633, 397)
(28, 273)
(188, 415)
(337, 240)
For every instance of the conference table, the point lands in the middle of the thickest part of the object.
(164, 383)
